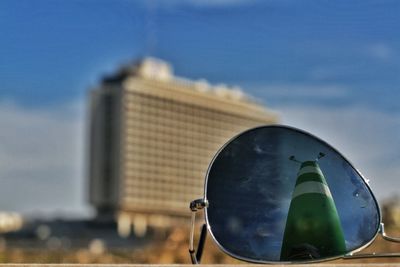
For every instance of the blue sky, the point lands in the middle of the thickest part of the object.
(329, 67)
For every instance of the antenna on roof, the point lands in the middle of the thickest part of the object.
(320, 155)
(293, 158)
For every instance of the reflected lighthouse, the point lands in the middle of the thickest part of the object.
(313, 228)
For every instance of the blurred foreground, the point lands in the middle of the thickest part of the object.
(96, 241)
(173, 249)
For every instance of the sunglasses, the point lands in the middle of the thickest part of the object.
(277, 194)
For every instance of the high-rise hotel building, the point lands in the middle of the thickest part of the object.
(152, 136)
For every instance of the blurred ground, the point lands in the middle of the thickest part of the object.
(171, 247)
(173, 250)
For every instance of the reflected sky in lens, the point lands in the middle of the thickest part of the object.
(250, 186)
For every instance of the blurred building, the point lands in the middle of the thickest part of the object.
(10, 222)
(152, 136)
(391, 213)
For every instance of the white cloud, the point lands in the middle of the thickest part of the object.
(380, 51)
(295, 93)
(41, 158)
(321, 73)
(367, 137)
(334, 72)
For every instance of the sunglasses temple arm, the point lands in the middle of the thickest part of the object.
(196, 256)
(202, 241)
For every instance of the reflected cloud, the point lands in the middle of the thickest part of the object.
(258, 150)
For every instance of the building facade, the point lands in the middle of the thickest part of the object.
(152, 137)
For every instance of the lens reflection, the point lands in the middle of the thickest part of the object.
(278, 194)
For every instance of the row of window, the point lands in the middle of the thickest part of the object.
(154, 186)
(194, 133)
(203, 109)
(155, 204)
(214, 119)
(180, 144)
(183, 156)
(176, 135)
(145, 162)
(137, 170)
(165, 195)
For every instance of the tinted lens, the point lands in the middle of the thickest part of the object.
(279, 194)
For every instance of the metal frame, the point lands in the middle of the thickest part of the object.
(348, 255)
(386, 237)
(195, 256)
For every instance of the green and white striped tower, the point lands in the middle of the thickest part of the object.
(313, 228)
